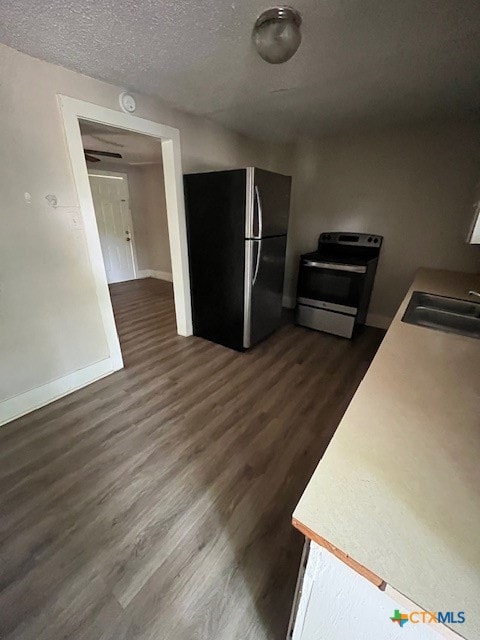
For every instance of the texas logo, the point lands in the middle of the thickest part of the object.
(428, 617)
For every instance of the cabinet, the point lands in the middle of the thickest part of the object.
(334, 602)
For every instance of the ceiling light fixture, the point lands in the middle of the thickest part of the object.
(277, 35)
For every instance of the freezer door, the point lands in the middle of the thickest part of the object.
(271, 203)
(265, 265)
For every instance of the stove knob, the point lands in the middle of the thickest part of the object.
(369, 239)
(376, 240)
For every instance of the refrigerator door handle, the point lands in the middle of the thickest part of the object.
(259, 214)
(247, 303)
(257, 265)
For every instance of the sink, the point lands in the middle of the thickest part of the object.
(443, 314)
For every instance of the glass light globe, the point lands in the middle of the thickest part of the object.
(277, 35)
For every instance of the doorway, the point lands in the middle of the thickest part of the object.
(74, 111)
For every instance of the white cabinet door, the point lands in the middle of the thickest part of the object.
(336, 603)
(110, 199)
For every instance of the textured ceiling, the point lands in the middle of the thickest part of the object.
(135, 148)
(362, 62)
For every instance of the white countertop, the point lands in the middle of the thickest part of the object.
(398, 488)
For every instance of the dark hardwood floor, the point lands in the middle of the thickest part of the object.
(156, 503)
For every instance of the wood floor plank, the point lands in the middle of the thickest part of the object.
(156, 503)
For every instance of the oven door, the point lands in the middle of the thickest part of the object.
(332, 286)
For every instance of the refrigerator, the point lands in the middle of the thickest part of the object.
(237, 224)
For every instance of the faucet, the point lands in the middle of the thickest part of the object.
(474, 293)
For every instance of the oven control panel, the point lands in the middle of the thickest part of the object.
(350, 239)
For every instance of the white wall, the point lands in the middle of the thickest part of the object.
(50, 322)
(339, 604)
(149, 212)
(415, 186)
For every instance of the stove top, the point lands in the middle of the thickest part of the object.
(340, 246)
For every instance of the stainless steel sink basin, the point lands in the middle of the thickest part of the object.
(443, 314)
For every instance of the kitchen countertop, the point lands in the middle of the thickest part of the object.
(398, 489)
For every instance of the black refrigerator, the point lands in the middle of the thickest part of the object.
(237, 234)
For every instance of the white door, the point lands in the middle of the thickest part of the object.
(110, 199)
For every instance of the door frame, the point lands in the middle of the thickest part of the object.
(124, 176)
(72, 111)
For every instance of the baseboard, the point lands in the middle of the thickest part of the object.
(18, 406)
(162, 275)
(152, 273)
(378, 321)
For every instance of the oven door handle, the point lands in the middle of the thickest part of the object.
(351, 268)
